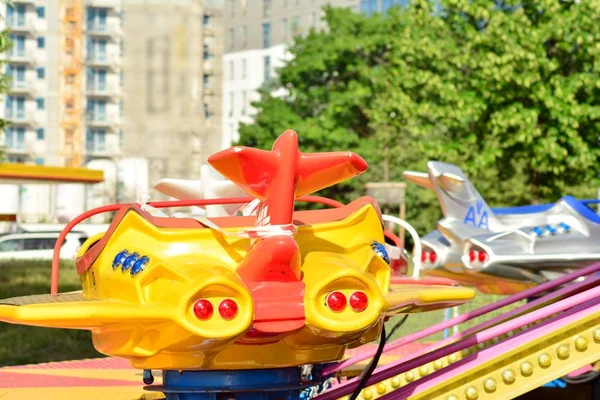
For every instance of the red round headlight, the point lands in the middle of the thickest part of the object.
(359, 301)
(203, 309)
(228, 309)
(473, 255)
(336, 301)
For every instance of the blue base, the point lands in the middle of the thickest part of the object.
(265, 384)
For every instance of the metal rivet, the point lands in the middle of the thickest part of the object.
(423, 370)
(453, 357)
(489, 385)
(410, 376)
(544, 360)
(437, 364)
(472, 393)
(480, 345)
(367, 394)
(452, 397)
(581, 343)
(396, 382)
(509, 333)
(508, 376)
(381, 389)
(526, 368)
(563, 351)
(596, 335)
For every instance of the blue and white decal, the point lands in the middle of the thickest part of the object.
(477, 216)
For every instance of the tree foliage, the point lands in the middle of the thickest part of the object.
(509, 91)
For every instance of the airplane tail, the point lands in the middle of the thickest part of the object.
(279, 176)
(458, 198)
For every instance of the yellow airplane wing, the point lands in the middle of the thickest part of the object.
(418, 298)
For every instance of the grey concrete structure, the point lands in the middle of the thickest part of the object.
(172, 88)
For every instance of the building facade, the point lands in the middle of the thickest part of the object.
(173, 66)
(132, 87)
(257, 35)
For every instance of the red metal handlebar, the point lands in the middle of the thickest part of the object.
(157, 204)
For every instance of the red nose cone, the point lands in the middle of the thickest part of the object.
(483, 256)
(473, 256)
(203, 309)
(359, 301)
(228, 309)
(336, 301)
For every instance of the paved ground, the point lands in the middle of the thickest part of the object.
(103, 378)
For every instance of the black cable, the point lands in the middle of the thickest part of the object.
(368, 371)
(583, 378)
(396, 327)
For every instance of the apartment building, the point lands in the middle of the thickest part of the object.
(44, 62)
(369, 7)
(172, 90)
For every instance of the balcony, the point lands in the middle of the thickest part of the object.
(111, 29)
(19, 117)
(22, 56)
(103, 91)
(112, 61)
(116, 4)
(102, 120)
(25, 87)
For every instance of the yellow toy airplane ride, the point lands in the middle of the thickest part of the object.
(281, 289)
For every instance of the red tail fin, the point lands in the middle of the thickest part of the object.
(279, 176)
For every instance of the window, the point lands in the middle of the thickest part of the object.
(231, 104)
(96, 140)
(286, 28)
(41, 12)
(206, 21)
(243, 68)
(96, 80)
(206, 81)
(207, 111)
(15, 138)
(17, 74)
(244, 35)
(266, 35)
(15, 107)
(96, 110)
(295, 25)
(11, 245)
(313, 20)
(96, 49)
(231, 70)
(41, 72)
(266, 8)
(96, 19)
(39, 161)
(231, 38)
(40, 134)
(244, 100)
(206, 54)
(41, 42)
(15, 15)
(267, 68)
(18, 45)
(368, 7)
(41, 104)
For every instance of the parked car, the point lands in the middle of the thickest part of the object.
(38, 245)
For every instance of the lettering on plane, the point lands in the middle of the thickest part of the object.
(477, 216)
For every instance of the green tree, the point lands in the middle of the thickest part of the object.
(509, 91)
